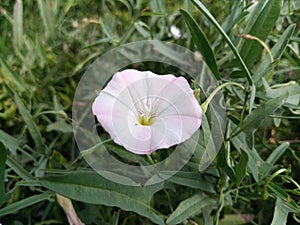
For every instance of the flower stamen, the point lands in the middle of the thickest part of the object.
(146, 115)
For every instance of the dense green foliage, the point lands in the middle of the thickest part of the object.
(45, 47)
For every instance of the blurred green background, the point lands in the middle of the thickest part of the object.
(46, 46)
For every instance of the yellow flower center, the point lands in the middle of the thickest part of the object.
(146, 116)
(145, 121)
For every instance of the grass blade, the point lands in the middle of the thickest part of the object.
(3, 156)
(47, 15)
(211, 18)
(24, 203)
(18, 169)
(10, 75)
(202, 43)
(32, 127)
(18, 24)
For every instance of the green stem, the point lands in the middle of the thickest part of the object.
(205, 104)
(150, 159)
(265, 193)
(263, 44)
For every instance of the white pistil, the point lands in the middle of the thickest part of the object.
(146, 115)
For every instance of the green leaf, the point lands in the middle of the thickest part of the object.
(61, 126)
(158, 6)
(150, 13)
(190, 207)
(119, 150)
(257, 116)
(281, 212)
(256, 165)
(48, 17)
(260, 23)
(200, 150)
(193, 180)
(241, 167)
(208, 215)
(211, 18)
(85, 61)
(236, 14)
(201, 43)
(18, 24)
(90, 187)
(18, 169)
(210, 137)
(277, 50)
(10, 142)
(235, 219)
(252, 97)
(292, 88)
(283, 41)
(143, 29)
(239, 141)
(169, 52)
(277, 153)
(57, 160)
(106, 29)
(3, 156)
(14, 207)
(224, 164)
(32, 127)
(10, 75)
(264, 97)
(283, 195)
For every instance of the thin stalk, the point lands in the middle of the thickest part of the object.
(208, 100)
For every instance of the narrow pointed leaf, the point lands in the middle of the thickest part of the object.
(10, 75)
(31, 125)
(3, 156)
(90, 187)
(47, 15)
(10, 142)
(261, 22)
(283, 41)
(256, 117)
(241, 167)
(201, 43)
(18, 24)
(190, 207)
(14, 207)
(18, 169)
(277, 50)
(275, 155)
(193, 180)
(280, 213)
(283, 195)
(214, 22)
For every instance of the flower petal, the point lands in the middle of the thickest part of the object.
(168, 99)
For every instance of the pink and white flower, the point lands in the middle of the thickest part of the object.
(143, 111)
